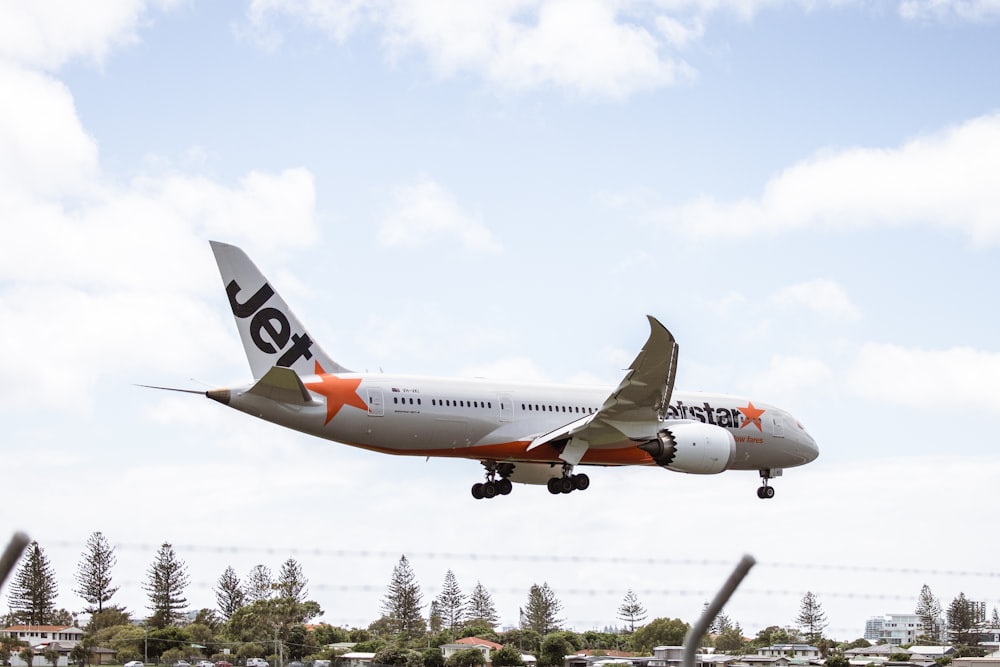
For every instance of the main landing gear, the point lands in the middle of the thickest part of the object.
(493, 487)
(568, 482)
(766, 492)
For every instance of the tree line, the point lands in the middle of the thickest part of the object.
(265, 615)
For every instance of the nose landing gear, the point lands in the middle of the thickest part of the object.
(766, 491)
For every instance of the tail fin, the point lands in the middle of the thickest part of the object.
(271, 334)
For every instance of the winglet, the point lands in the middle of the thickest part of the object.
(271, 334)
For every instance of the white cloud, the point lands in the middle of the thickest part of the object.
(931, 379)
(43, 148)
(596, 48)
(824, 297)
(426, 210)
(787, 375)
(966, 10)
(48, 34)
(945, 180)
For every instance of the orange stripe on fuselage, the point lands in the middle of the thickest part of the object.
(518, 451)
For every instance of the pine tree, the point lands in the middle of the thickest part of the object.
(481, 607)
(964, 619)
(450, 602)
(33, 591)
(93, 574)
(291, 581)
(229, 594)
(260, 585)
(540, 614)
(631, 610)
(167, 580)
(811, 618)
(929, 611)
(402, 603)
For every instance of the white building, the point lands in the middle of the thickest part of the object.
(897, 629)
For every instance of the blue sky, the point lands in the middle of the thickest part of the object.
(805, 193)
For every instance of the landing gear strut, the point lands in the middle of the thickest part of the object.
(493, 487)
(568, 482)
(766, 491)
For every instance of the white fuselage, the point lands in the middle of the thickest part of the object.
(482, 419)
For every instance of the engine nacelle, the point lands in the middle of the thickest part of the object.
(692, 447)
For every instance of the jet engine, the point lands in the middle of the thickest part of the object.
(692, 447)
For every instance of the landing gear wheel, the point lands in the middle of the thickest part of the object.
(478, 492)
(581, 482)
(489, 489)
(768, 492)
(504, 487)
(554, 486)
(566, 484)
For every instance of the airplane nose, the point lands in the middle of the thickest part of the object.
(809, 447)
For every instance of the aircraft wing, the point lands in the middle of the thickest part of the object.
(633, 408)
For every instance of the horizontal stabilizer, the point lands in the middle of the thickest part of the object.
(284, 386)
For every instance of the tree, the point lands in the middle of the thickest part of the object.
(106, 619)
(631, 610)
(541, 612)
(167, 580)
(929, 611)
(291, 581)
(506, 656)
(811, 618)
(481, 608)
(450, 602)
(466, 657)
(8, 645)
(229, 593)
(51, 655)
(93, 573)
(402, 602)
(393, 654)
(80, 654)
(658, 632)
(730, 640)
(32, 595)
(964, 619)
(554, 650)
(260, 584)
(838, 659)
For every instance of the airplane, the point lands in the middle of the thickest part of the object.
(519, 432)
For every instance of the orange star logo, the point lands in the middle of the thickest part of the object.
(338, 392)
(752, 415)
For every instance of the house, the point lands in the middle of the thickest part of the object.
(800, 651)
(988, 661)
(931, 653)
(356, 659)
(478, 641)
(667, 656)
(761, 661)
(448, 650)
(37, 635)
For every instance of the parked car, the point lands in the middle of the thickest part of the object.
(295, 663)
(223, 663)
(321, 663)
(204, 663)
(257, 662)
(134, 663)
(182, 663)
